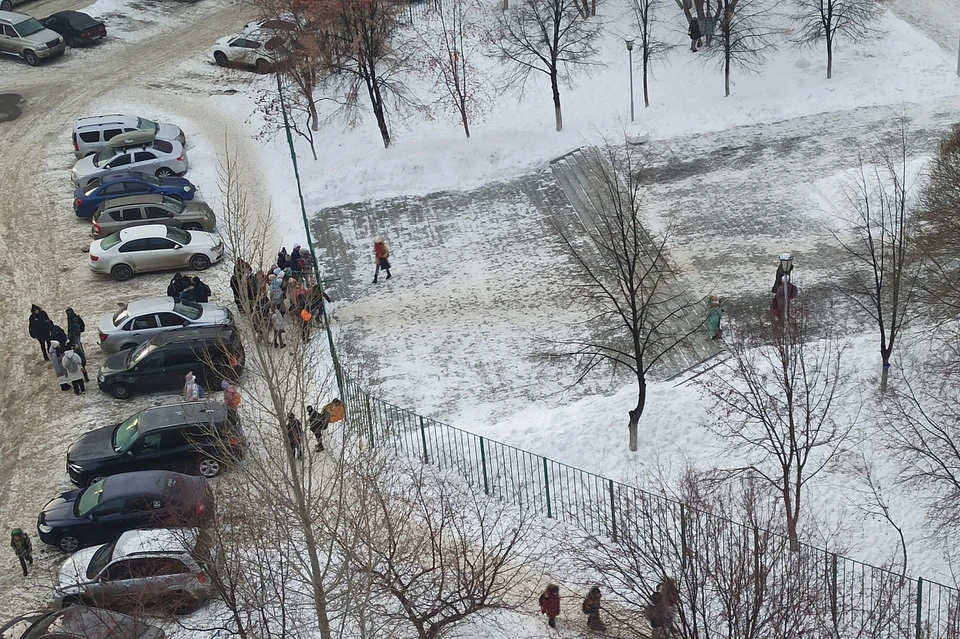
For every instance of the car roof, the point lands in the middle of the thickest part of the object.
(155, 541)
(133, 200)
(150, 304)
(198, 334)
(76, 15)
(120, 175)
(139, 482)
(98, 120)
(13, 16)
(140, 232)
(132, 138)
(158, 417)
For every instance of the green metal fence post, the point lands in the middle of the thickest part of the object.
(483, 466)
(919, 605)
(833, 589)
(423, 438)
(613, 511)
(546, 482)
(369, 420)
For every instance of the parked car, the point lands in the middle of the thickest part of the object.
(91, 134)
(165, 568)
(278, 25)
(78, 622)
(104, 510)
(136, 210)
(138, 321)
(87, 198)
(26, 38)
(77, 28)
(191, 438)
(134, 151)
(162, 362)
(258, 50)
(153, 247)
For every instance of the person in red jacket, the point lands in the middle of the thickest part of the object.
(550, 604)
(380, 254)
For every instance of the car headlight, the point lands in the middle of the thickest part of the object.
(44, 528)
(101, 377)
(75, 468)
(41, 46)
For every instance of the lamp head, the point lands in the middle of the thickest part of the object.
(629, 42)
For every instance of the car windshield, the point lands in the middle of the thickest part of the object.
(178, 235)
(100, 559)
(174, 203)
(92, 186)
(136, 355)
(190, 310)
(152, 180)
(104, 156)
(126, 433)
(121, 316)
(28, 27)
(147, 125)
(110, 241)
(90, 498)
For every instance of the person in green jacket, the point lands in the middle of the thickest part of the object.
(714, 315)
(22, 548)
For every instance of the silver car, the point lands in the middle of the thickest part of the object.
(153, 247)
(91, 134)
(167, 568)
(134, 151)
(138, 321)
(150, 208)
(78, 622)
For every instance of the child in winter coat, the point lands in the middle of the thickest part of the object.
(714, 315)
(20, 542)
(550, 604)
(74, 369)
(279, 326)
(191, 389)
(591, 608)
(696, 38)
(381, 254)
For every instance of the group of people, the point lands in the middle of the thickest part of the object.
(660, 612)
(784, 292)
(62, 348)
(189, 289)
(317, 422)
(697, 34)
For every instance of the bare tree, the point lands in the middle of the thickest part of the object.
(744, 34)
(939, 228)
(885, 264)
(775, 402)
(449, 43)
(827, 20)
(631, 286)
(651, 49)
(553, 37)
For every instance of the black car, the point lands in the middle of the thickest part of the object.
(185, 437)
(76, 28)
(108, 508)
(161, 363)
(78, 622)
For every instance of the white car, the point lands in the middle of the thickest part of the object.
(138, 321)
(257, 49)
(153, 247)
(279, 25)
(134, 151)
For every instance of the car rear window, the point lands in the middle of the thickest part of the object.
(163, 145)
(92, 186)
(110, 241)
(147, 125)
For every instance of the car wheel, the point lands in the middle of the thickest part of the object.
(94, 479)
(263, 66)
(120, 391)
(164, 172)
(208, 467)
(6, 5)
(121, 272)
(68, 543)
(71, 41)
(31, 58)
(192, 227)
(221, 58)
(199, 262)
(180, 603)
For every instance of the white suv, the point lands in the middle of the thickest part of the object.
(91, 134)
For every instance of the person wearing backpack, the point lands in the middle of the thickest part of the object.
(74, 368)
(75, 328)
(550, 604)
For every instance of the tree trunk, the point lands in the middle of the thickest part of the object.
(593, 8)
(637, 412)
(829, 59)
(646, 95)
(314, 115)
(505, 4)
(463, 118)
(376, 100)
(726, 70)
(792, 511)
(556, 97)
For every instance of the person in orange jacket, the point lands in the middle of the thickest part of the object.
(381, 254)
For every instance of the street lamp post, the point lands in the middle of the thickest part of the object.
(629, 42)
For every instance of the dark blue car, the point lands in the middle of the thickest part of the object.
(87, 198)
(118, 503)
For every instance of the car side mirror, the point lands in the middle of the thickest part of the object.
(186, 324)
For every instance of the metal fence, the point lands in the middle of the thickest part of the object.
(844, 597)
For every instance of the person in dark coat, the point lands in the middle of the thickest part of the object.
(696, 38)
(283, 260)
(20, 542)
(189, 293)
(202, 290)
(550, 604)
(591, 608)
(176, 286)
(56, 333)
(75, 328)
(294, 432)
(39, 329)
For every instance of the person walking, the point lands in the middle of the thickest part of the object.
(192, 392)
(201, 290)
(381, 254)
(294, 432)
(550, 604)
(39, 329)
(176, 286)
(231, 395)
(319, 421)
(591, 608)
(55, 353)
(75, 328)
(696, 37)
(714, 315)
(74, 370)
(22, 548)
(279, 326)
